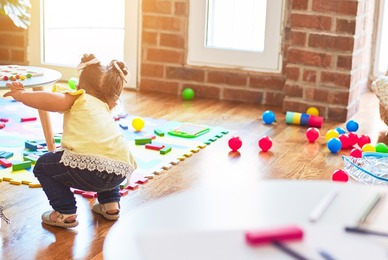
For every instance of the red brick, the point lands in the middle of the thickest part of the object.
(273, 98)
(309, 58)
(331, 42)
(346, 26)
(181, 9)
(161, 23)
(292, 73)
(267, 82)
(172, 40)
(149, 38)
(205, 91)
(19, 57)
(337, 79)
(162, 55)
(183, 73)
(243, 95)
(310, 75)
(298, 38)
(293, 90)
(344, 62)
(157, 6)
(227, 78)
(338, 113)
(317, 22)
(159, 86)
(13, 40)
(343, 7)
(152, 70)
(299, 4)
(338, 97)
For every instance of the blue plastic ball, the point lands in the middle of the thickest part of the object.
(334, 145)
(352, 126)
(268, 117)
(340, 130)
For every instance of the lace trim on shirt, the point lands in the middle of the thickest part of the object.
(93, 163)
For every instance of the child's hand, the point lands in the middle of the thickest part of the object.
(16, 88)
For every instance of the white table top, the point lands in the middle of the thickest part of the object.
(47, 75)
(203, 223)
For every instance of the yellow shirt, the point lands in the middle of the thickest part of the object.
(91, 140)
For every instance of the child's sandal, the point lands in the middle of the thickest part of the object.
(61, 221)
(103, 209)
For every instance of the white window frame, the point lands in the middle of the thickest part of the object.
(268, 60)
(131, 38)
(380, 7)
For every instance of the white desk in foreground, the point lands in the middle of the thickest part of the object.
(211, 223)
(46, 76)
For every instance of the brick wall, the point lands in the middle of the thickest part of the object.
(326, 50)
(13, 43)
(326, 57)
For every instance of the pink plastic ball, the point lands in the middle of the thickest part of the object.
(312, 134)
(340, 175)
(357, 153)
(235, 143)
(353, 138)
(363, 140)
(265, 143)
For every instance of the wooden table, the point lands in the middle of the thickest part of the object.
(40, 77)
(210, 223)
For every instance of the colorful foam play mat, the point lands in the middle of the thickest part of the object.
(156, 144)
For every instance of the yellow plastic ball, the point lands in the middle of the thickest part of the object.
(331, 134)
(368, 148)
(312, 111)
(138, 123)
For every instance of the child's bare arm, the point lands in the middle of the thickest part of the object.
(48, 101)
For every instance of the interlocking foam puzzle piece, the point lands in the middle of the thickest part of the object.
(149, 162)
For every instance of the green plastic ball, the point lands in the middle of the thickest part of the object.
(72, 83)
(381, 148)
(188, 94)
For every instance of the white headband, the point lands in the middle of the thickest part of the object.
(83, 65)
(119, 69)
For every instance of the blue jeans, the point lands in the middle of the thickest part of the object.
(57, 179)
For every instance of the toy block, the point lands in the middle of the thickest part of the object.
(89, 194)
(155, 147)
(6, 155)
(207, 142)
(5, 163)
(57, 139)
(2, 125)
(219, 135)
(27, 119)
(188, 154)
(132, 186)
(124, 192)
(21, 165)
(142, 181)
(4, 120)
(140, 141)
(213, 139)
(122, 115)
(167, 167)
(30, 158)
(76, 191)
(5, 178)
(195, 150)
(181, 158)
(34, 185)
(158, 172)
(202, 146)
(124, 126)
(31, 145)
(159, 132)
(165, 150)
(15, 182)
(175, 162)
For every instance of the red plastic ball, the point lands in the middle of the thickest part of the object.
(265, 143)
(340, 175)
(363, 140)
(344, 138)
(235, 143)
(312, 134)
(353, 139)
(357, 153)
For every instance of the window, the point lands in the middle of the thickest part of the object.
(382, 42)
(236, 33)
(62, 31)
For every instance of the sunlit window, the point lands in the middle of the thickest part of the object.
(383, 50)
(241, 34)
(236, 24)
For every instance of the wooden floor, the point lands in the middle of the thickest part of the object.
(291, 157)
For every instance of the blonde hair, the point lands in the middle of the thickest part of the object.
(103, 82)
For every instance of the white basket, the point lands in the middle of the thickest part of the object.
(380, 88)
